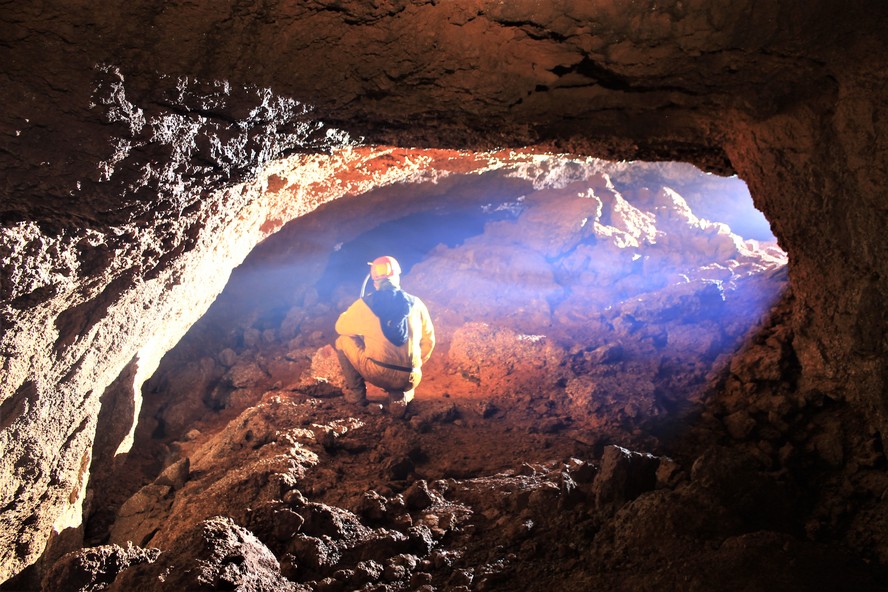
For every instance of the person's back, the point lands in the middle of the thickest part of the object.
(385, 338)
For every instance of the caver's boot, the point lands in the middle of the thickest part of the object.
(398, 402)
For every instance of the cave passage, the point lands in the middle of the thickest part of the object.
(575, 306)
(611, 269)
(412, 238)
(628, 393)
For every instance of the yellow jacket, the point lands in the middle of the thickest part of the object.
(360, 321)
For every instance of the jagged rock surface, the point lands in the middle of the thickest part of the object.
(116, 120)
(464, 494)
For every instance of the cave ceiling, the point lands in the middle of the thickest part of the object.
(675, 81)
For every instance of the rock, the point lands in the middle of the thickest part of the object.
(421, 540)
(186, 387)
(741, 483)
(95, 568)
(581, 471)
(246, 374)
(324, 378)
(568, 487)
(394, 572)
(175, 475)
(217, 555)
(503, 359)
(505, 282)
(608, 401)
(322, 520)
(274, 523)
(368, 571)
(227, 357)
(142, 515)
(252, 337)
(687, 303)
(419, 497)
(624, 475)
(739, 425)
(314, 552)
(372, 507)
(244, 398)
(290, 325)
(332, 584)
(444, 412)
(606, 354)
(669, 473)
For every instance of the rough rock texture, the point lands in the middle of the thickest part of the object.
(217, 555)
(95, 568)
(123, 125)
(88, 314)
(464, 493)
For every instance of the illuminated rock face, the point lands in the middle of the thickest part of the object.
(124, 132)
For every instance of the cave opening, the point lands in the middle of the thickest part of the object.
(578, 305)
(599, 441)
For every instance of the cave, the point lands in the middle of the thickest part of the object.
(190, 195)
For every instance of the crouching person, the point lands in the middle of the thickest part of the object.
(384, 339)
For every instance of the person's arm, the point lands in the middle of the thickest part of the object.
(427, 341)
(349, 322)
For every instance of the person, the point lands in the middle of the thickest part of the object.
(384, 338)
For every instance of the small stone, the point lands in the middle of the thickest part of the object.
(393, 573)
(286, 524)
(252, 337)
(330, 584)
(372, 506)
(581, 471)
(421, 579)
(421, 539)
(175, 475)
(669, 473)
(461, 577)
(418, 496)
(227, 357)
(624, 475)
(739, 425)
(397, 409)
(368, 571)
(402, 521)
(295, 498)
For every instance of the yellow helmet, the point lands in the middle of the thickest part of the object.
(384, 268)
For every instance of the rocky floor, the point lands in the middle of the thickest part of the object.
(306, 492)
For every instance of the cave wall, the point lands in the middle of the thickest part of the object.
(131, 134)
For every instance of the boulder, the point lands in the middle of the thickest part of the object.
(95, 568)
(623, 476)
(216, 555)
